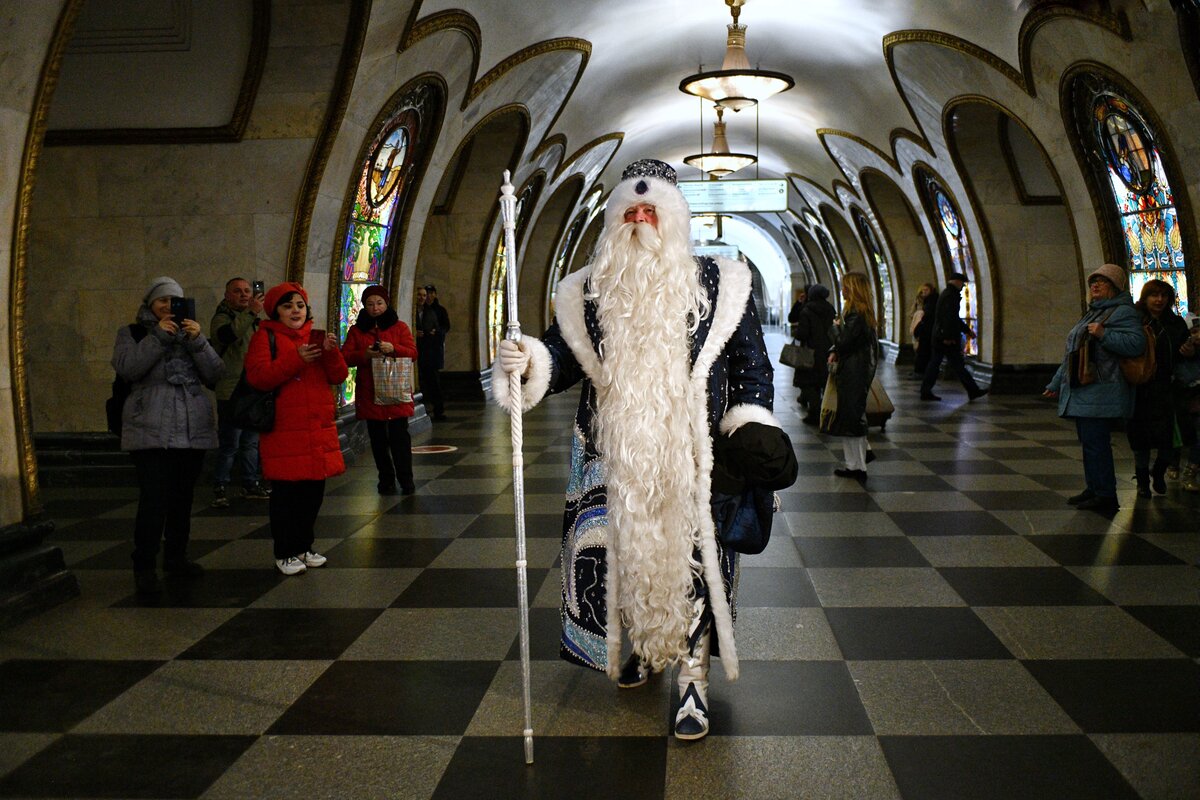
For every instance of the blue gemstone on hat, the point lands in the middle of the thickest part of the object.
(642, 187)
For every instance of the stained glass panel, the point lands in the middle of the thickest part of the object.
(496, 309)
(957, 249)
(563, 261)
(349, 304)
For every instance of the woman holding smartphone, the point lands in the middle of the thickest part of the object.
(300, 364)
(166, 425)
(379, 333)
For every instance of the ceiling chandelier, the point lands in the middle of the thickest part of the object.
(719, 162)
(735, 85)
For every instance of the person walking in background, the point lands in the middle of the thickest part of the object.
(948, 330)
(794, 313)
(1090, 387)
(812, 329)
(233, 324)
(1157, 410)
(921, 326)
(432, 323)
(379, 333)
(299, 364)
(166, 425)
(853, 358)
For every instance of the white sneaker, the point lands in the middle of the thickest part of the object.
(292, 565)
(313, 559)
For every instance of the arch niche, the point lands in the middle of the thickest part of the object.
(540, 250)
(1027, 226)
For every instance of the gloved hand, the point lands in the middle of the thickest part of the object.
(513, 357)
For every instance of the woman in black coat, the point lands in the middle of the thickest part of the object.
(922, 326)
(811, 328)
(855, 354)
(1154, 424)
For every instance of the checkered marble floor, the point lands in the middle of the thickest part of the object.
(951, 630)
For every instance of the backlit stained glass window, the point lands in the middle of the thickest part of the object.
(956, 248)
(384, 186)
(1144, 201)
(810, 275)
(883, 272)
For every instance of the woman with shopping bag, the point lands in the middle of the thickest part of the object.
(383, 349)
(852, 360)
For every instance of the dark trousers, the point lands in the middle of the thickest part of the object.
(1095, 434)
(431, 389)
(166, 480)
(954, 357)
(293, 510)
(392, 448)
(235, 444)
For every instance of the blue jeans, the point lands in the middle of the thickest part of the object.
(1095, 434)
(234, 443)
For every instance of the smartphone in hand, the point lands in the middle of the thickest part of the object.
(259, 288)
(182, 308)
(316, 338)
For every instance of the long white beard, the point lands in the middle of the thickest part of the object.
(647, 302)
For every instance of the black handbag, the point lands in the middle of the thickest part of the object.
(744, 521)
(253, 409)
(797, 356)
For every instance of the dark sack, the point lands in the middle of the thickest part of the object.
(744, 521)
(114, 406)
(797, 356)
(253, 409)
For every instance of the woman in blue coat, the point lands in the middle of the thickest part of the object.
(1112, 328)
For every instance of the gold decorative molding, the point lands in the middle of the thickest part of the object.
(232, 131)
(564, 44)
(19, 286)
(557, 140)
(450, 20)
(618, 137)
(318, 159)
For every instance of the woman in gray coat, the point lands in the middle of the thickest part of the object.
(1090, 387)
(166, 426)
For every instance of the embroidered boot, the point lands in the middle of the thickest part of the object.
(691, 720)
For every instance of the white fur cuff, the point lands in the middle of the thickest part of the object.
(737, 416)
(536, 385)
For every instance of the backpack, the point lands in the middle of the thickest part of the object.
(114, 406)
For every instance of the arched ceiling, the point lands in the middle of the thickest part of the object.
(641, 50)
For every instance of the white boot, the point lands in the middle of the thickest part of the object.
(691, 721)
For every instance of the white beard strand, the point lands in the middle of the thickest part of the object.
(647, 303)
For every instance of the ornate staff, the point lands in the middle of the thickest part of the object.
(512, 332)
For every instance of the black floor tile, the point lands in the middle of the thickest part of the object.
(949, 523)
(98, 529)
(131, 766)
(1025, 500)
(442, 504)
(1021, 586)
(787, 698)
(859, 551)
(546, 485)
(1102, 551)
(883, 454)
(1147, 518)
(1125, 696)
(239, 508)
(468, 471)
(90, 507)
(968, 467)
(500, 526)
(765, 587)
(1002, 768)
(1179, 625)
(1036, 453)
(54, 696)
(564, 767)
(906, 483)
(913, 633)
(286, 633)
(121, 556)
(545, 634)
(390, 698)
(216, 588)
(827, 501)
(466, 588)
(367, 553)
(1058, 482)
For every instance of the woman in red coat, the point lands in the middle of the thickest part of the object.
(379, 333)
(302, 450)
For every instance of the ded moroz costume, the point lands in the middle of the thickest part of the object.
(670, 354)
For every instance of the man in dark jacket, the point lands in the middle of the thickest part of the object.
(812, 330)
(948, 330)
(432, 324)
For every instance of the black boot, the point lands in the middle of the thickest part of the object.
(1142, 476)
(1159, 475)
(633, 674)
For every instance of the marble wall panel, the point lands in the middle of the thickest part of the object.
(56, 403)
(199, 250)
(20, 68)
(12, 149)
(299, 69)
(287, 115)
(74, 253)
(272, 232)
(310, 24)
(67, 184)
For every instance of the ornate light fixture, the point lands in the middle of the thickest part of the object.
(735, 85)
(719, 162)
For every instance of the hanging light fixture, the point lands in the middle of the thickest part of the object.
(719, 162)
(735, 85)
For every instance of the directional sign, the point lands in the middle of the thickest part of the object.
(735, 196)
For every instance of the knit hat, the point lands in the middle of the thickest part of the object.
(277, 293)
(376, 291)
(162, 287)
(1114, 274)
(818, 292)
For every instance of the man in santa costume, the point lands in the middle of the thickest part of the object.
(670, 353)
